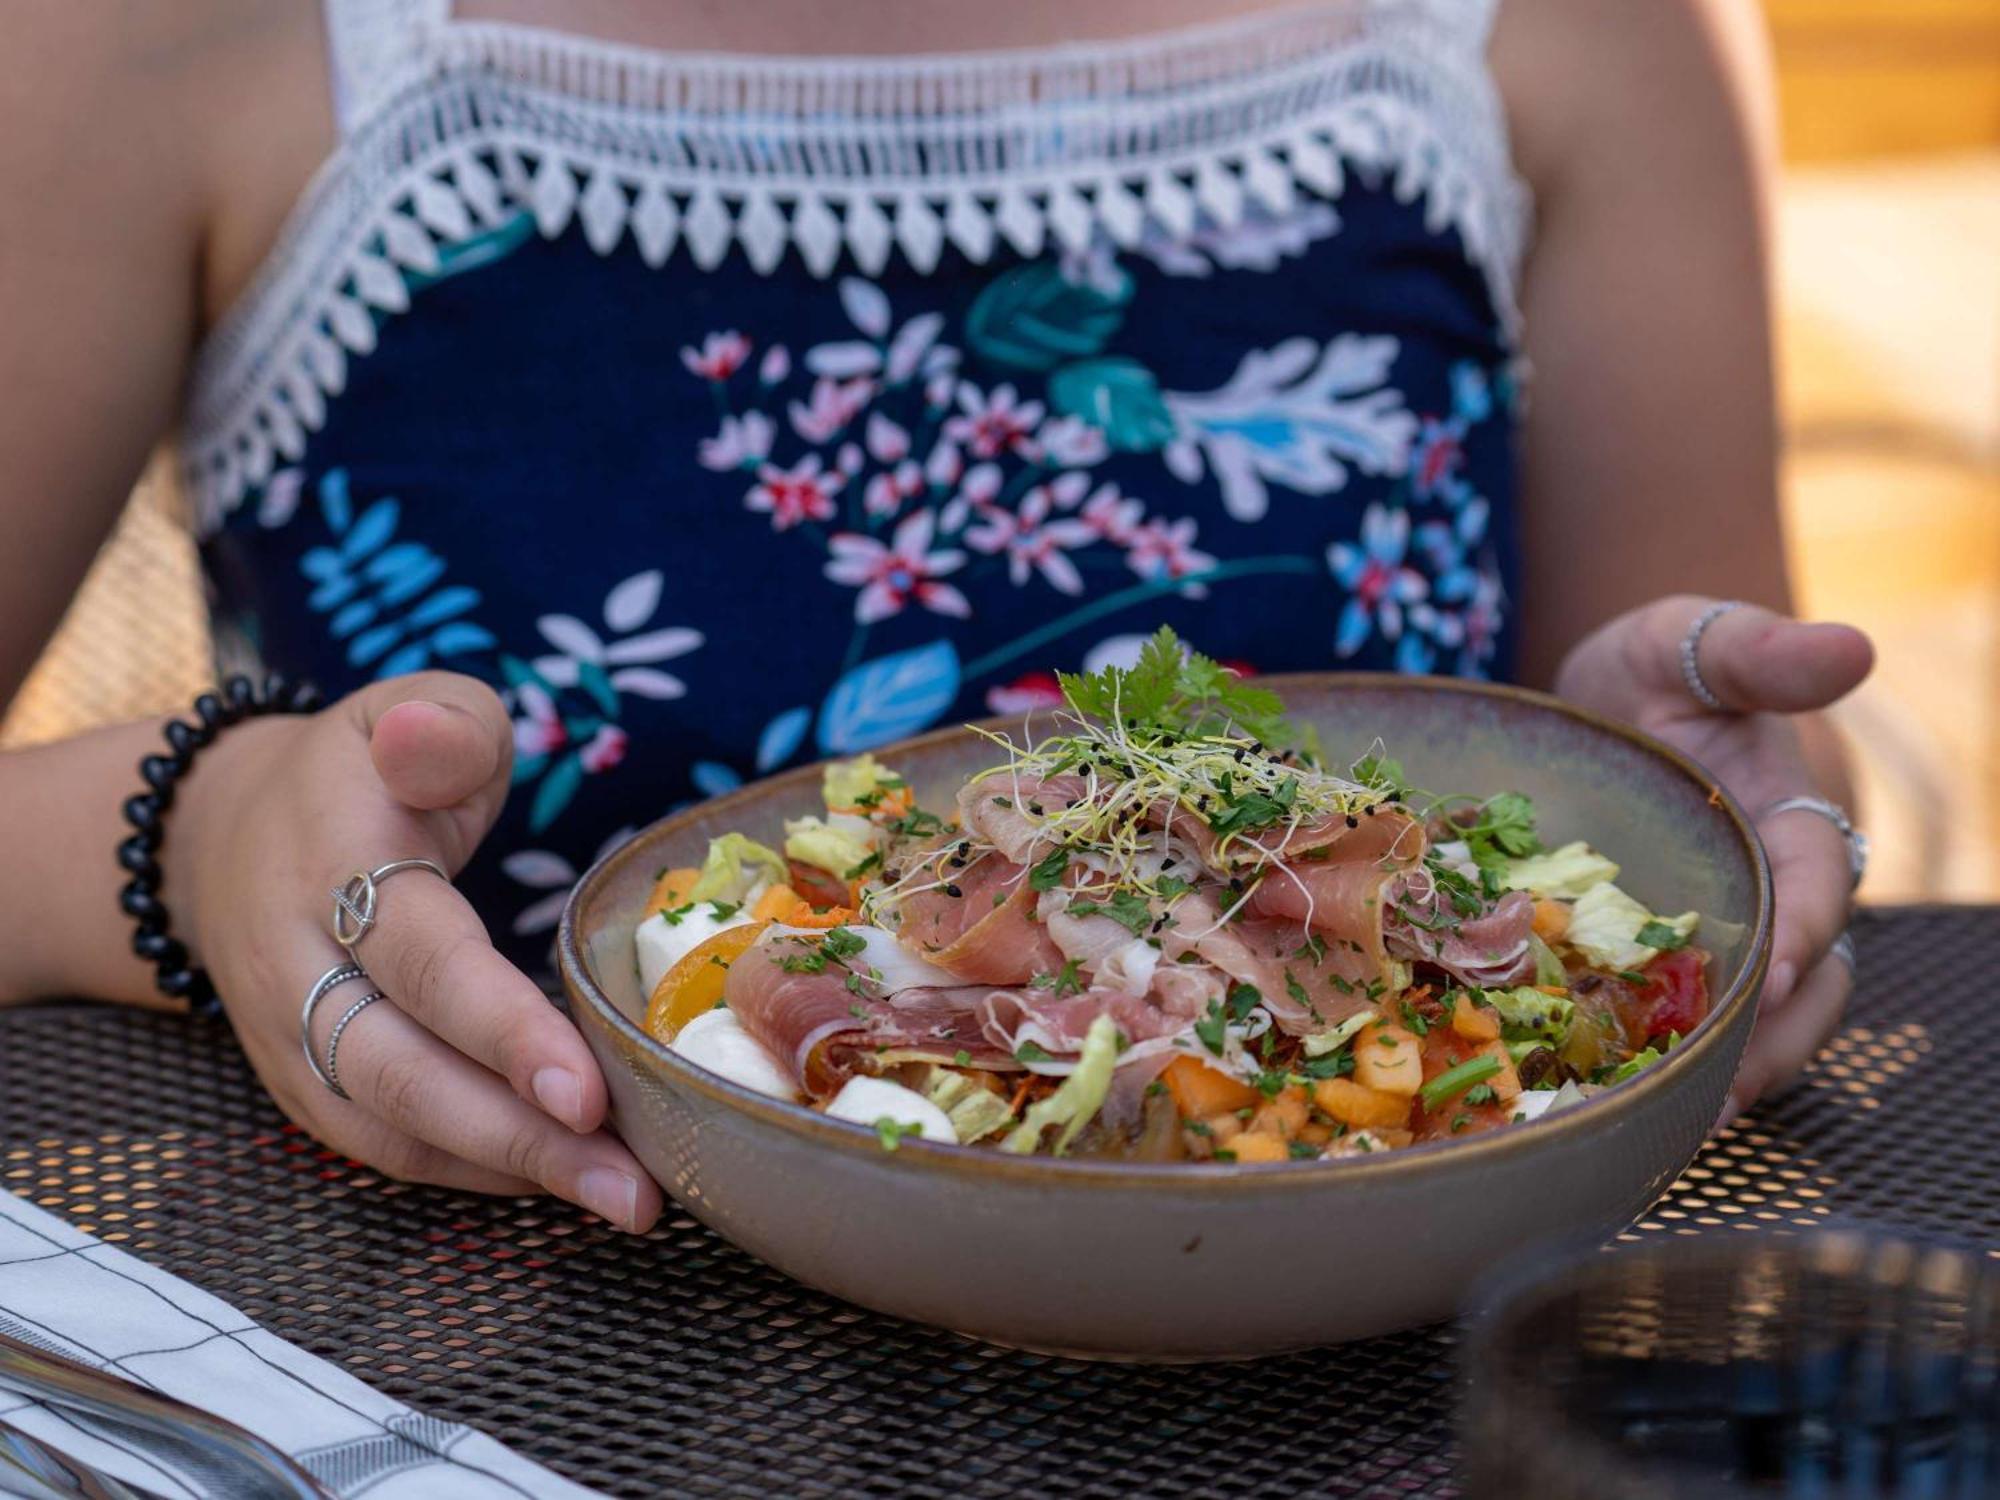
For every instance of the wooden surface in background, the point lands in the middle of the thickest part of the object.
(1871, 77)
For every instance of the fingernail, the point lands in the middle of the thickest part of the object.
(1778, 988)
(560, 1092)
(610, 1194)
(1730, 1110)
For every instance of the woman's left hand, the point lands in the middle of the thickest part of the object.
(1765, 669)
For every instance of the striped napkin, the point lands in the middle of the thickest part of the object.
(64, 1291)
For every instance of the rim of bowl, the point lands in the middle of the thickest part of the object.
(1215, 1177)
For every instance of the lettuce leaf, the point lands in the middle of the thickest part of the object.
(1565, 873)
(846, 782)
(735, 866)
(1605, 923)
(1077, 1102)
(812, 841)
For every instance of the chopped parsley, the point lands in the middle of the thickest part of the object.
(838, 946)
(1479, 1093)
(1302, 1151)
(962, 1058)
(1127, 908)
(1631, 976)
(1213, 1028)
(1332, 1065)
(1047, 873)
(1659, 935)
(1254, 809)
(1298, 991)
(1463, 895)
(1415, 1023)
(1244, 998)
(1271, 1082)
(1170, 886)
(1314, 948)
(916, 823)
(1031, 1052)
(872, 862)
(1067, 981)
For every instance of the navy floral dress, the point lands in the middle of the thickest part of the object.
(729, 413)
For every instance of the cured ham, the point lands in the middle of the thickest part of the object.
(978, 921)
(1488, 950)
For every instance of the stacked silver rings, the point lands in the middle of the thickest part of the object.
(355, 905)
(1697, 687)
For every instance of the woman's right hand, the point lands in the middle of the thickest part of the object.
(466, 1076)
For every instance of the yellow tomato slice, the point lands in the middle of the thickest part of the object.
(694, 984)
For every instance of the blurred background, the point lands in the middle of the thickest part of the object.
(1889, 332)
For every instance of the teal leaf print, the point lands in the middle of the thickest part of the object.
(478, 250)
(1117, 395)
(712, 778)
(1034, 318)
(781, 737)
(591, 676)
(334, 503)
(889, 698)
(553, 795)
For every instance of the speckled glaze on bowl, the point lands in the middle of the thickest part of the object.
(1166, 1262)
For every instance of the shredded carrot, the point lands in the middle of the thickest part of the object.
(1021, 1094)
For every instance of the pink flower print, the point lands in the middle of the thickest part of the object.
(834, 404)
(1041, 545)
(1112, 516)
(721, 355)
(1435, 456)
(605, 750)
(742, 443)
(887, 491)
(1025, 693)
(887, 442)
(891, 576)
(982, 483)
(1069, 489)
(849, 459)
(990, 425)
(803, 492)
(1071, 441)
(944, 465)
(1165, 549)
(541, 731)
(776, 365)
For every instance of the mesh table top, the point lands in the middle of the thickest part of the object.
(680, 1364)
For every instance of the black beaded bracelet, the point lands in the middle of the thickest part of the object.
(152, 940)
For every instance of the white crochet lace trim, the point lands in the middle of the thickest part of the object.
(474, 122)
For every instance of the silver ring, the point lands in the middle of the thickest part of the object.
(354, 902)
(325, 985)
(333, 1040)
(1691, 644)
(1857, 841)
(1842, 948)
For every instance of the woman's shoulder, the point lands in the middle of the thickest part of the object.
(190, 125)
(1592, 84)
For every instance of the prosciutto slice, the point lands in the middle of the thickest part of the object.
(986, 934)
(995, 809)
(1489, 950)
(1384, 835)
(819, 1029)
(1307, 983)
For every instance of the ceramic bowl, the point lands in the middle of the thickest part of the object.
(1183, 1262)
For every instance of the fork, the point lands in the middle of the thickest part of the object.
(225, 1459)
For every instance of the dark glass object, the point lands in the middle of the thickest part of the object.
(1837, 1365)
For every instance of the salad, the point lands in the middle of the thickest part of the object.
(1167, 931)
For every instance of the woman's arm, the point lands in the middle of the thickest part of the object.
(1650, 471)
(99, 254)
(1650, 462)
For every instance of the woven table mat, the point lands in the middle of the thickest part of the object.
(680, 1365)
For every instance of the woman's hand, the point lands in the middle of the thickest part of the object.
(465, 1076)
(1766, 669)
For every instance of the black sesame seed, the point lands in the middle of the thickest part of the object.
(1352, 821)
(953, 891)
